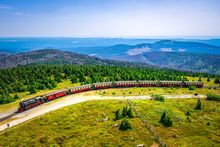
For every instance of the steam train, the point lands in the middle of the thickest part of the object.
(30, 103)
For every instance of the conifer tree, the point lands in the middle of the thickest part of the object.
(168, 122)
(32, 89)
(117, 115)
(198, 105)
(124, 111)
(73, 79)
(130, 113)
(162, 118)
(125, 125)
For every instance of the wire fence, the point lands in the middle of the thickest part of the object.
(147, 124)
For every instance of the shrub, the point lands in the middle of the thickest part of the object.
(208, 80)
(198, 105)
(216, 81)
(125, 125)
(213, 97)
(126, 113)
(166, 120)
(158, 97)
(192, 87)
(189, 120)
(188, 113)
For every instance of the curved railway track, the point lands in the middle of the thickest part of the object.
(8, 116)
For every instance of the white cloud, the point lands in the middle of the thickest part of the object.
(10, 10)
(5, 7)
(166, 49)
(18, 13)
(75, 42)
(92, 55)
(137, 51)
(181, 50)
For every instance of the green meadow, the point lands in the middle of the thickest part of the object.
(85, 124)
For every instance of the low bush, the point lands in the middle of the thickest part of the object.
(192, 87)
(213, 97)
(158, 97)
(125, 125)
(127, 112)
(216, 81)
(188, 113)
(166, 120)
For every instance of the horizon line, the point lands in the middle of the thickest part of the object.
(120, 37)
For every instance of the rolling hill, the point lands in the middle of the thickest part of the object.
(159, 46)
(187, 56)
(179, 55)
(177, 60)
(53, 56)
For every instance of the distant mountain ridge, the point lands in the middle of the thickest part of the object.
(184, 61)
(180, 55)
(164, 46)
(54, 56)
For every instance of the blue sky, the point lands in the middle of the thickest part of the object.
(109, 18)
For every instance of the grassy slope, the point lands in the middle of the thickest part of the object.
(82, 124)
(184, 132)
(78, 125)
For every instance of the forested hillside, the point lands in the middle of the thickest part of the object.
(53, 56)
(178, 60)
(38, 77)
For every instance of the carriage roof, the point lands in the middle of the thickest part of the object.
(102, 83)
(55, 92)
(87, 85)
(125, 81)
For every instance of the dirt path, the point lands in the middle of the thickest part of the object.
(70, 100)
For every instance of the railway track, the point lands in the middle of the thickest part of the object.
(8, 116)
